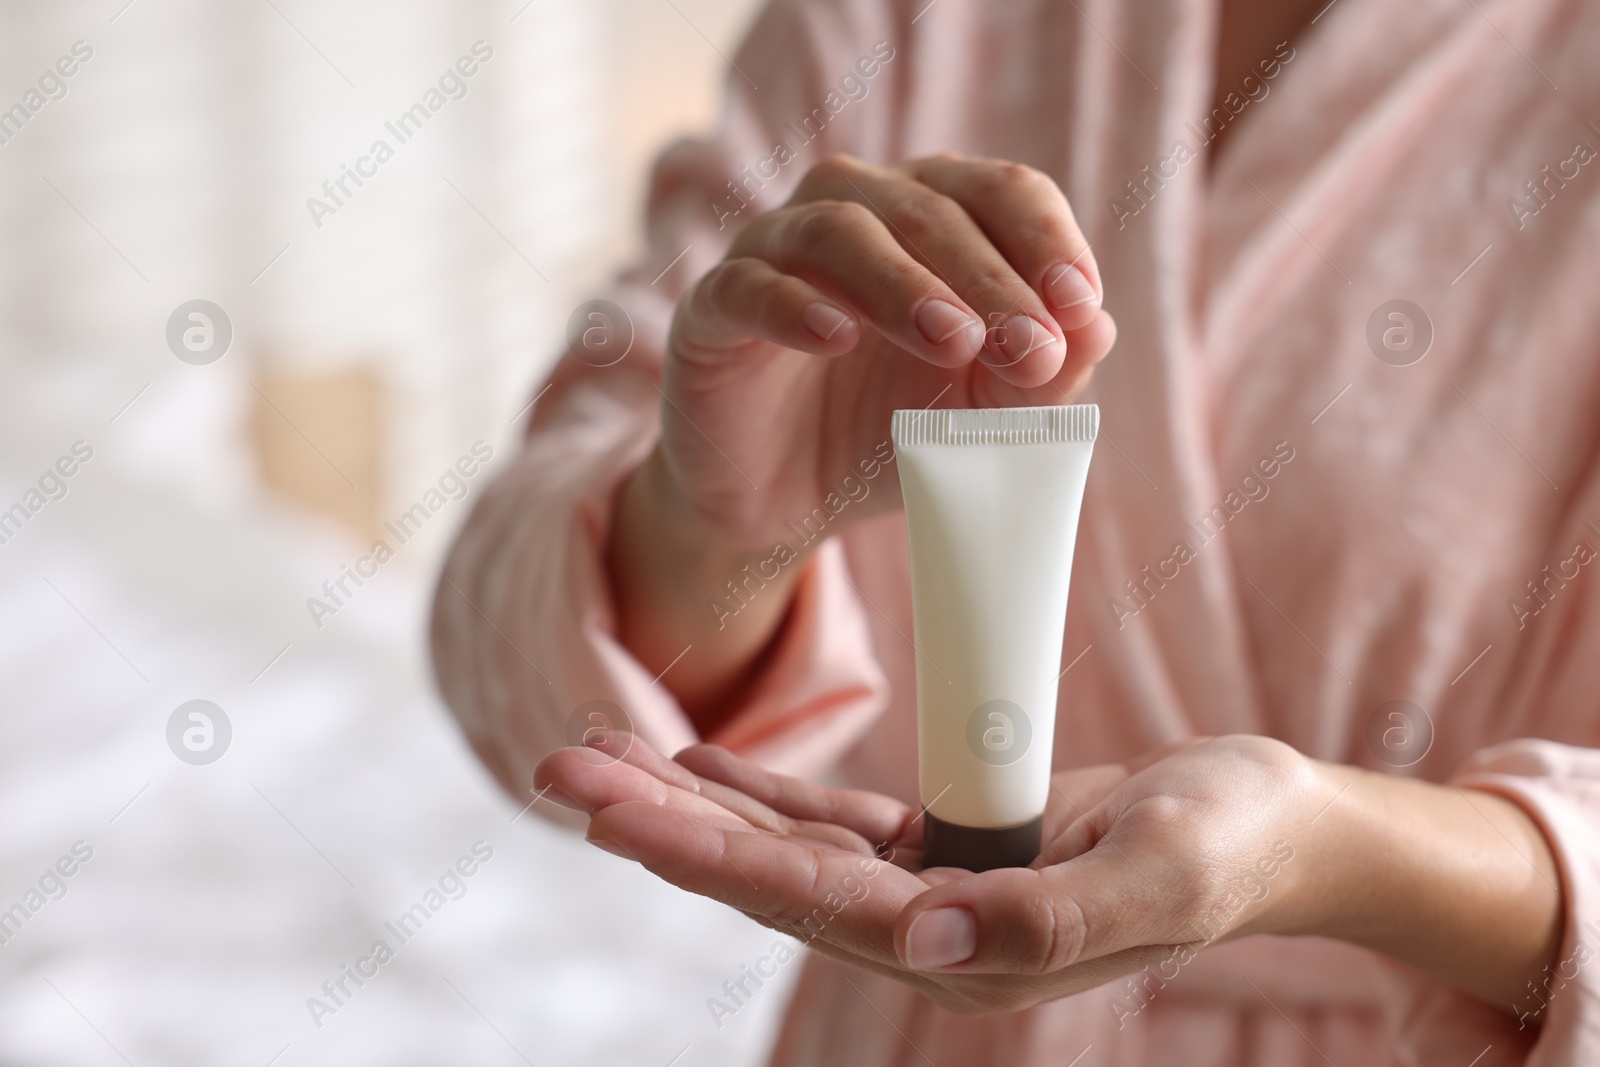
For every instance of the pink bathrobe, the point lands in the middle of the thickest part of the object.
(1428, 538)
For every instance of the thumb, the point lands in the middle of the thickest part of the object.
(1033, 922)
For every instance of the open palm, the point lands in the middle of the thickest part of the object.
(1143, 862)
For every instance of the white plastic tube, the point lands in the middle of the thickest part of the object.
(991, 499)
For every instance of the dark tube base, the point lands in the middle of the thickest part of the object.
(973, 848)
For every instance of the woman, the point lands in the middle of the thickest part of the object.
(1338, 524)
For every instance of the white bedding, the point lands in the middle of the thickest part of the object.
(219, 898)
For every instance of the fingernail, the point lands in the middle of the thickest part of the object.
(940, 320)
(823, 320)
(556, 796)
(1015, 338)
(614, 848)
(941, 937)
(1065, 286)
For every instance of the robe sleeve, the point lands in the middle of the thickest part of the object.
(523, 626)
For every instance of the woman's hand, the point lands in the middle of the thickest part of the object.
(962, 282)
(1143, 865)
(1187, 846)
(874, 288)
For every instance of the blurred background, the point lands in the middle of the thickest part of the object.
(231, 459)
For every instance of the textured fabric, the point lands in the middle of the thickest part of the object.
(1399, 550)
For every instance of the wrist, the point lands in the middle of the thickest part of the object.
(690, 608)
(1320, 868)
(1338, 855)
(1460, 884)
(662, 538)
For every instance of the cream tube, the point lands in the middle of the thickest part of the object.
(991, 499)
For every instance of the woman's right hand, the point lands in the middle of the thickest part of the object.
(949, 281)
(874, 288)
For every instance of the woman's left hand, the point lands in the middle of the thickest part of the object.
(1143, 863)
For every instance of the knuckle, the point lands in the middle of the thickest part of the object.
(1038, 931)
(922, 214)
(905, 277)
(1058, 229)
(1164, 811)
(1266, 750)
(794, 915)
(1023, 176)
(722, 287)
(994, 287)
(826, 222)
(1062, 933)
(1006, 178)
(829, 170)
(768, 303)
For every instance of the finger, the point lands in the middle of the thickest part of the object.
(592, 787)
(576, 778)
(875, 817)
(1030, 921)
(1024, 343)
(1077, 816)
(762, 817)
(1027, 217)
(1076, 792)
(744, 299)
(586, 780)
(610, 745)
(1086, 347)
(846, 251)
(843, 898)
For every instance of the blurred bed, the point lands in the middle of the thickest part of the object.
(163, 910)
(219, 898)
